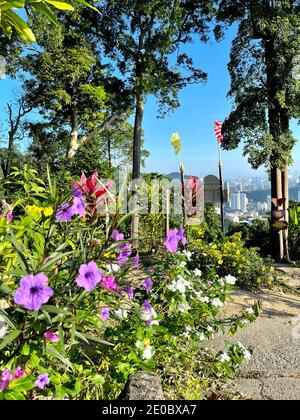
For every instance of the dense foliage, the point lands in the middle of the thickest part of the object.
(80, 311)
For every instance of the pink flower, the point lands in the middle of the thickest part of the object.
(9, 216)
(109, 283)
(18, 373)
(49, 335)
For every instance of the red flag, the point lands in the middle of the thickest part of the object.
(218, 131)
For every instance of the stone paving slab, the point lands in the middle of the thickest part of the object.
(274, 371)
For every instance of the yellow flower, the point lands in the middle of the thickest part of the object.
(48, 211)
(259, 280)
(34, 211)
(272, 269)
(147, 342)
(238, 252)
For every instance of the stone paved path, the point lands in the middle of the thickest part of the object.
(274, 371)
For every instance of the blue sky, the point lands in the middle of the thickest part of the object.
(201, 105)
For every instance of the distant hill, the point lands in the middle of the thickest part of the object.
(176, 175)
(261, 196)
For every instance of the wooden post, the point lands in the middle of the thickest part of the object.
(221, 190)
(167, 212)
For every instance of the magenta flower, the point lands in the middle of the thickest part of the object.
(51, 336)
(18, 373)
(109, 283)
(79, 206)
(9, 216)
(33, 292)
(105, 314)
(6, 375)
(117, 236)
(89, 276)
(148, 284)
(136, 260)
(42, 381)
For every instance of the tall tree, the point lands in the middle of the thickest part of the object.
(16, 113)
(69, 85)
(265, 92)
(146, 40)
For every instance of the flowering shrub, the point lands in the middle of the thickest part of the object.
(80, 310)
(231, 256)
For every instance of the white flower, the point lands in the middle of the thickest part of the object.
(121, 313)
(216, 302)
(221, 282)
(245, 322)
(197, 272)
(113, 268)
(224, 358)
(139, 345)
(183, 264)
(183, 307)
(204, 299)
(210, 329)
(249, 311)
(148, 353)
(231, 280)
(201, 336)
(188, 254)
(180, 285)
(188, 331)
(247, 354)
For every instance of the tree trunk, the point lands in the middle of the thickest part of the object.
(275, 128)
(285, 188)
(137, 144)
(11, 141)
(73, 144)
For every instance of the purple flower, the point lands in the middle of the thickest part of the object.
(148, 284)
(7, 376)
(105, 314)
(3, 384)
(148, 313)
(117, 236)
(136, 260)
(109, 283)
(33, 292)
(89, 276)
(173, 239)
(181, 236)
(65, 212)
(125, 253)
(51, 336)
(77, 192)
(130, 293)
(79, 206)
(42, 381)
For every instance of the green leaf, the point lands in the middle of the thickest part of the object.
(22, 385)
(13, 396)
(60, 5)
(7, 319)
(98, 379)
(19, 252)
(54, 310)
(9, 338)
(56, 354)
(20, 26)
(97, 340)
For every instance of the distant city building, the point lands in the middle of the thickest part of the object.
(232, 217)
(244, 202)
(236, 201)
